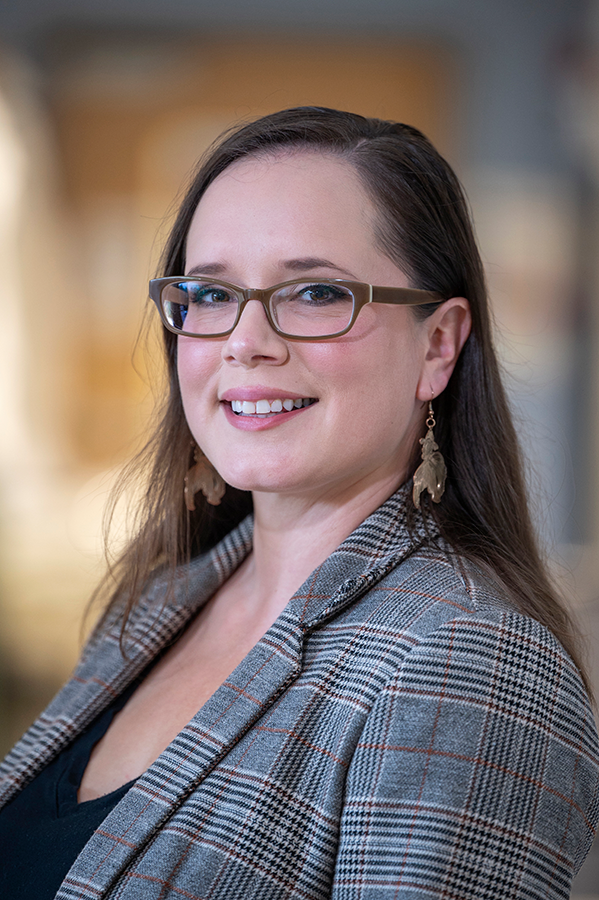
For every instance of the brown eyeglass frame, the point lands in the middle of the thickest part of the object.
(362, 294)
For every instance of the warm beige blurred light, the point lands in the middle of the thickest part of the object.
(43, 583)
(12, 172)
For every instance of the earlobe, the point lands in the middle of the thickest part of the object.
(447, 332)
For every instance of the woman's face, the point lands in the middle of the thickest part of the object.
(268, 220)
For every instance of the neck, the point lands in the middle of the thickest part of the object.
(294, 535)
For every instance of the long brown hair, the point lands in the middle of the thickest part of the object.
(424, 226)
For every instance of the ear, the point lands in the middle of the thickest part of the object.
(446, 332)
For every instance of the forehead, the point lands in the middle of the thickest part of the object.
(277, 193)
(306, 166)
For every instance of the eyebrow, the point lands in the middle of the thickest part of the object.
(308, 263)
(303, 264)
(208, 269)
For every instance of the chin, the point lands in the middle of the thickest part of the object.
(261, 482)
(248, 479)
(261, 485)
(257, 472)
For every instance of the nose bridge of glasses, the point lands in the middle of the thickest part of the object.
(262, 296)
(259, 294)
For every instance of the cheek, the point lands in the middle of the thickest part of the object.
(197, 361)
(381, 371)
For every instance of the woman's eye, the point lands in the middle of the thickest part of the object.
(206, 293)
(321, 294)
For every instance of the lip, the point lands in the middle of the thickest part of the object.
(255, 423)
(260, 392)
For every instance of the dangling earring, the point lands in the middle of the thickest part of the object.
(431, 473)
(203, 477)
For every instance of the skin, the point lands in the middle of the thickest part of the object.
(315, 474)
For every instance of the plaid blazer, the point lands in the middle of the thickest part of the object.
(399, 732)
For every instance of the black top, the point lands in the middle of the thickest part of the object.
(43, 829)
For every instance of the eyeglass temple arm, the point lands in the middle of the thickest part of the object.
(405, 296)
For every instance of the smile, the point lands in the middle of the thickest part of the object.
(262, 408)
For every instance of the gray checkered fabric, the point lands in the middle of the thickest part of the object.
(399, 732)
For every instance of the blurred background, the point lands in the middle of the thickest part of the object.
(105, 106)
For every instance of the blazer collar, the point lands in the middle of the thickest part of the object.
(390, 534)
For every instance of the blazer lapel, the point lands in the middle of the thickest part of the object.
(376, 547)
(269, 668)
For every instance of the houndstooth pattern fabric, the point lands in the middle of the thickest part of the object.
(399, 732)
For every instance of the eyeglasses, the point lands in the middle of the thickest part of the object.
(301, 310)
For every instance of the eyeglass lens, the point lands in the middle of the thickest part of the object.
(308, 309)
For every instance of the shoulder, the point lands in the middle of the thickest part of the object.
(431, 588)
(482, 717)
(439, 622)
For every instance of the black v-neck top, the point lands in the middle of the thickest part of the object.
(43, 829)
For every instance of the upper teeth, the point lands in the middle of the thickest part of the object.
(264, 407)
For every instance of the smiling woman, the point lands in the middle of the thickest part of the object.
(321, 674)
(261, 222)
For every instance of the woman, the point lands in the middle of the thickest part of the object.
(378, 694)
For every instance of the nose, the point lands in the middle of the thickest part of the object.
(253, 342)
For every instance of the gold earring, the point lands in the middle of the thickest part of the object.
(203, 477)
(431, 473)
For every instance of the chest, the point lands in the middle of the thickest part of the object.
(186, 676)
(264, 819)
